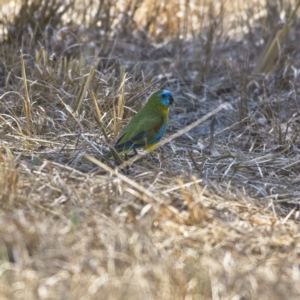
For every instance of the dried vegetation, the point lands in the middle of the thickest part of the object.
(213, 213)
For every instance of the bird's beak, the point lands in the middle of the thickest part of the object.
(172, 102)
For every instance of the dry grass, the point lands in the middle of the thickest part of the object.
(213, 213)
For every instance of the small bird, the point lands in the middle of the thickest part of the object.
(147, 127)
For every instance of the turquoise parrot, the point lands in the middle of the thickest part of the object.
(147, 127)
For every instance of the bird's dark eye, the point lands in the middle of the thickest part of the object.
(164, 95)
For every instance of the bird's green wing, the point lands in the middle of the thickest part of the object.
(143, 128)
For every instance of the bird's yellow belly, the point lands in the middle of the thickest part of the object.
(150, 147)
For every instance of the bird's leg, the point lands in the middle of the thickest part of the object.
(152, 156)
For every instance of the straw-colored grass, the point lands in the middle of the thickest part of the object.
(212, 213)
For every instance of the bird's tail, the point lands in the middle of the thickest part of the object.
(106, 156)
(113, 153)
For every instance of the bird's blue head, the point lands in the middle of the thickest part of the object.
(161, 99)
(166, 97)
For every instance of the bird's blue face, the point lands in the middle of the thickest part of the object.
(166, 98)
